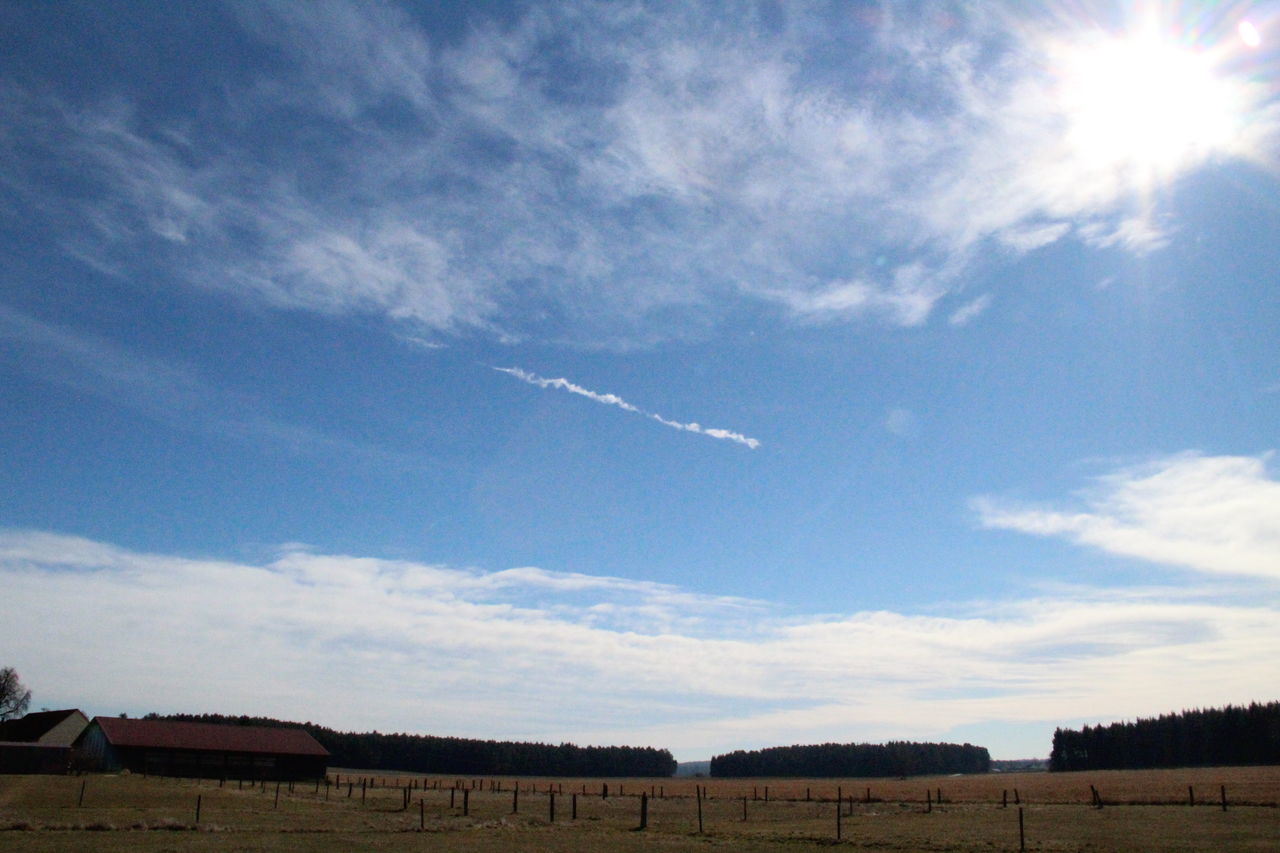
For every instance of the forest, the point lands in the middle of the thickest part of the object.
(432, 754)
(897, 758)
(1233, 735)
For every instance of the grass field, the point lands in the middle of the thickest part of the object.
(1142, 811)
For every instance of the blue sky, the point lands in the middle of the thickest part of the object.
(711, 377)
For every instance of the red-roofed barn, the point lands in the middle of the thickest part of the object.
(40, 742)
(169, 748)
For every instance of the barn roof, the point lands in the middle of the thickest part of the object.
(32, 727)
(212, 737)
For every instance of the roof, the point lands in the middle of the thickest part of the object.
(210, 737)
(32, 727)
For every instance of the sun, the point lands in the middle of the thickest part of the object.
(1143, 105)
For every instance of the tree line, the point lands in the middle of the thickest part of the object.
(1203, 737)
(897, 758)
(464, 756)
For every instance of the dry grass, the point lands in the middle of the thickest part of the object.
(120, 813)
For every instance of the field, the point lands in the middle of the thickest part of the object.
(1140, 811)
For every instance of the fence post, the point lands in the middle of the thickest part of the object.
(515, 799)
(1224, 798)
(83, 785)
(1004, 799)
(551, 814)
(277, 805)
(1191, 796)
(422, 814)
(1022, 835)
(744, 807)
(573, 806)
(699, 795)
(928, 800)
(466, 802)
(197, 808)
(839, 816)
(644, 810)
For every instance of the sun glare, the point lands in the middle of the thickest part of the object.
(1143, 106)
(1249, 34)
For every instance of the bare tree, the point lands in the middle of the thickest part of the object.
(14, 698)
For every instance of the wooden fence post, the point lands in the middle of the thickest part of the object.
(699, 795)
(466, 802)
(551, 813)
(1224, 798)
(573, 806)
(839, 813)
(277, 805)
(83, 785)
(515, 799)
(197, 808)
(644, 810)
(1022, 835)
(744, 807)
(1191, 796)
(422, 814)
(928, 800)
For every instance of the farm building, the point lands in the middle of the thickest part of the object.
(168, 748)
(40, 742)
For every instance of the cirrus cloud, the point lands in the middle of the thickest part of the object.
(1217, 514)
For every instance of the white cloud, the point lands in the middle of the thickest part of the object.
(615, 400)
(709, 158)
(1218, 514)
(1138, 234)
(1033, 236)
(966, 313)
(422, 647)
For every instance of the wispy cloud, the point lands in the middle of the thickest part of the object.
(167, 391)
(966, 313)
(493, 654)
(615, 400)
(1218, 514)
(479, 184)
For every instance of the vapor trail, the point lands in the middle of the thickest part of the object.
(615, 400)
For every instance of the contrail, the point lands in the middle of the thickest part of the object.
(615, 400)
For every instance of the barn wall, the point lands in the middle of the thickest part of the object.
(34, 758)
